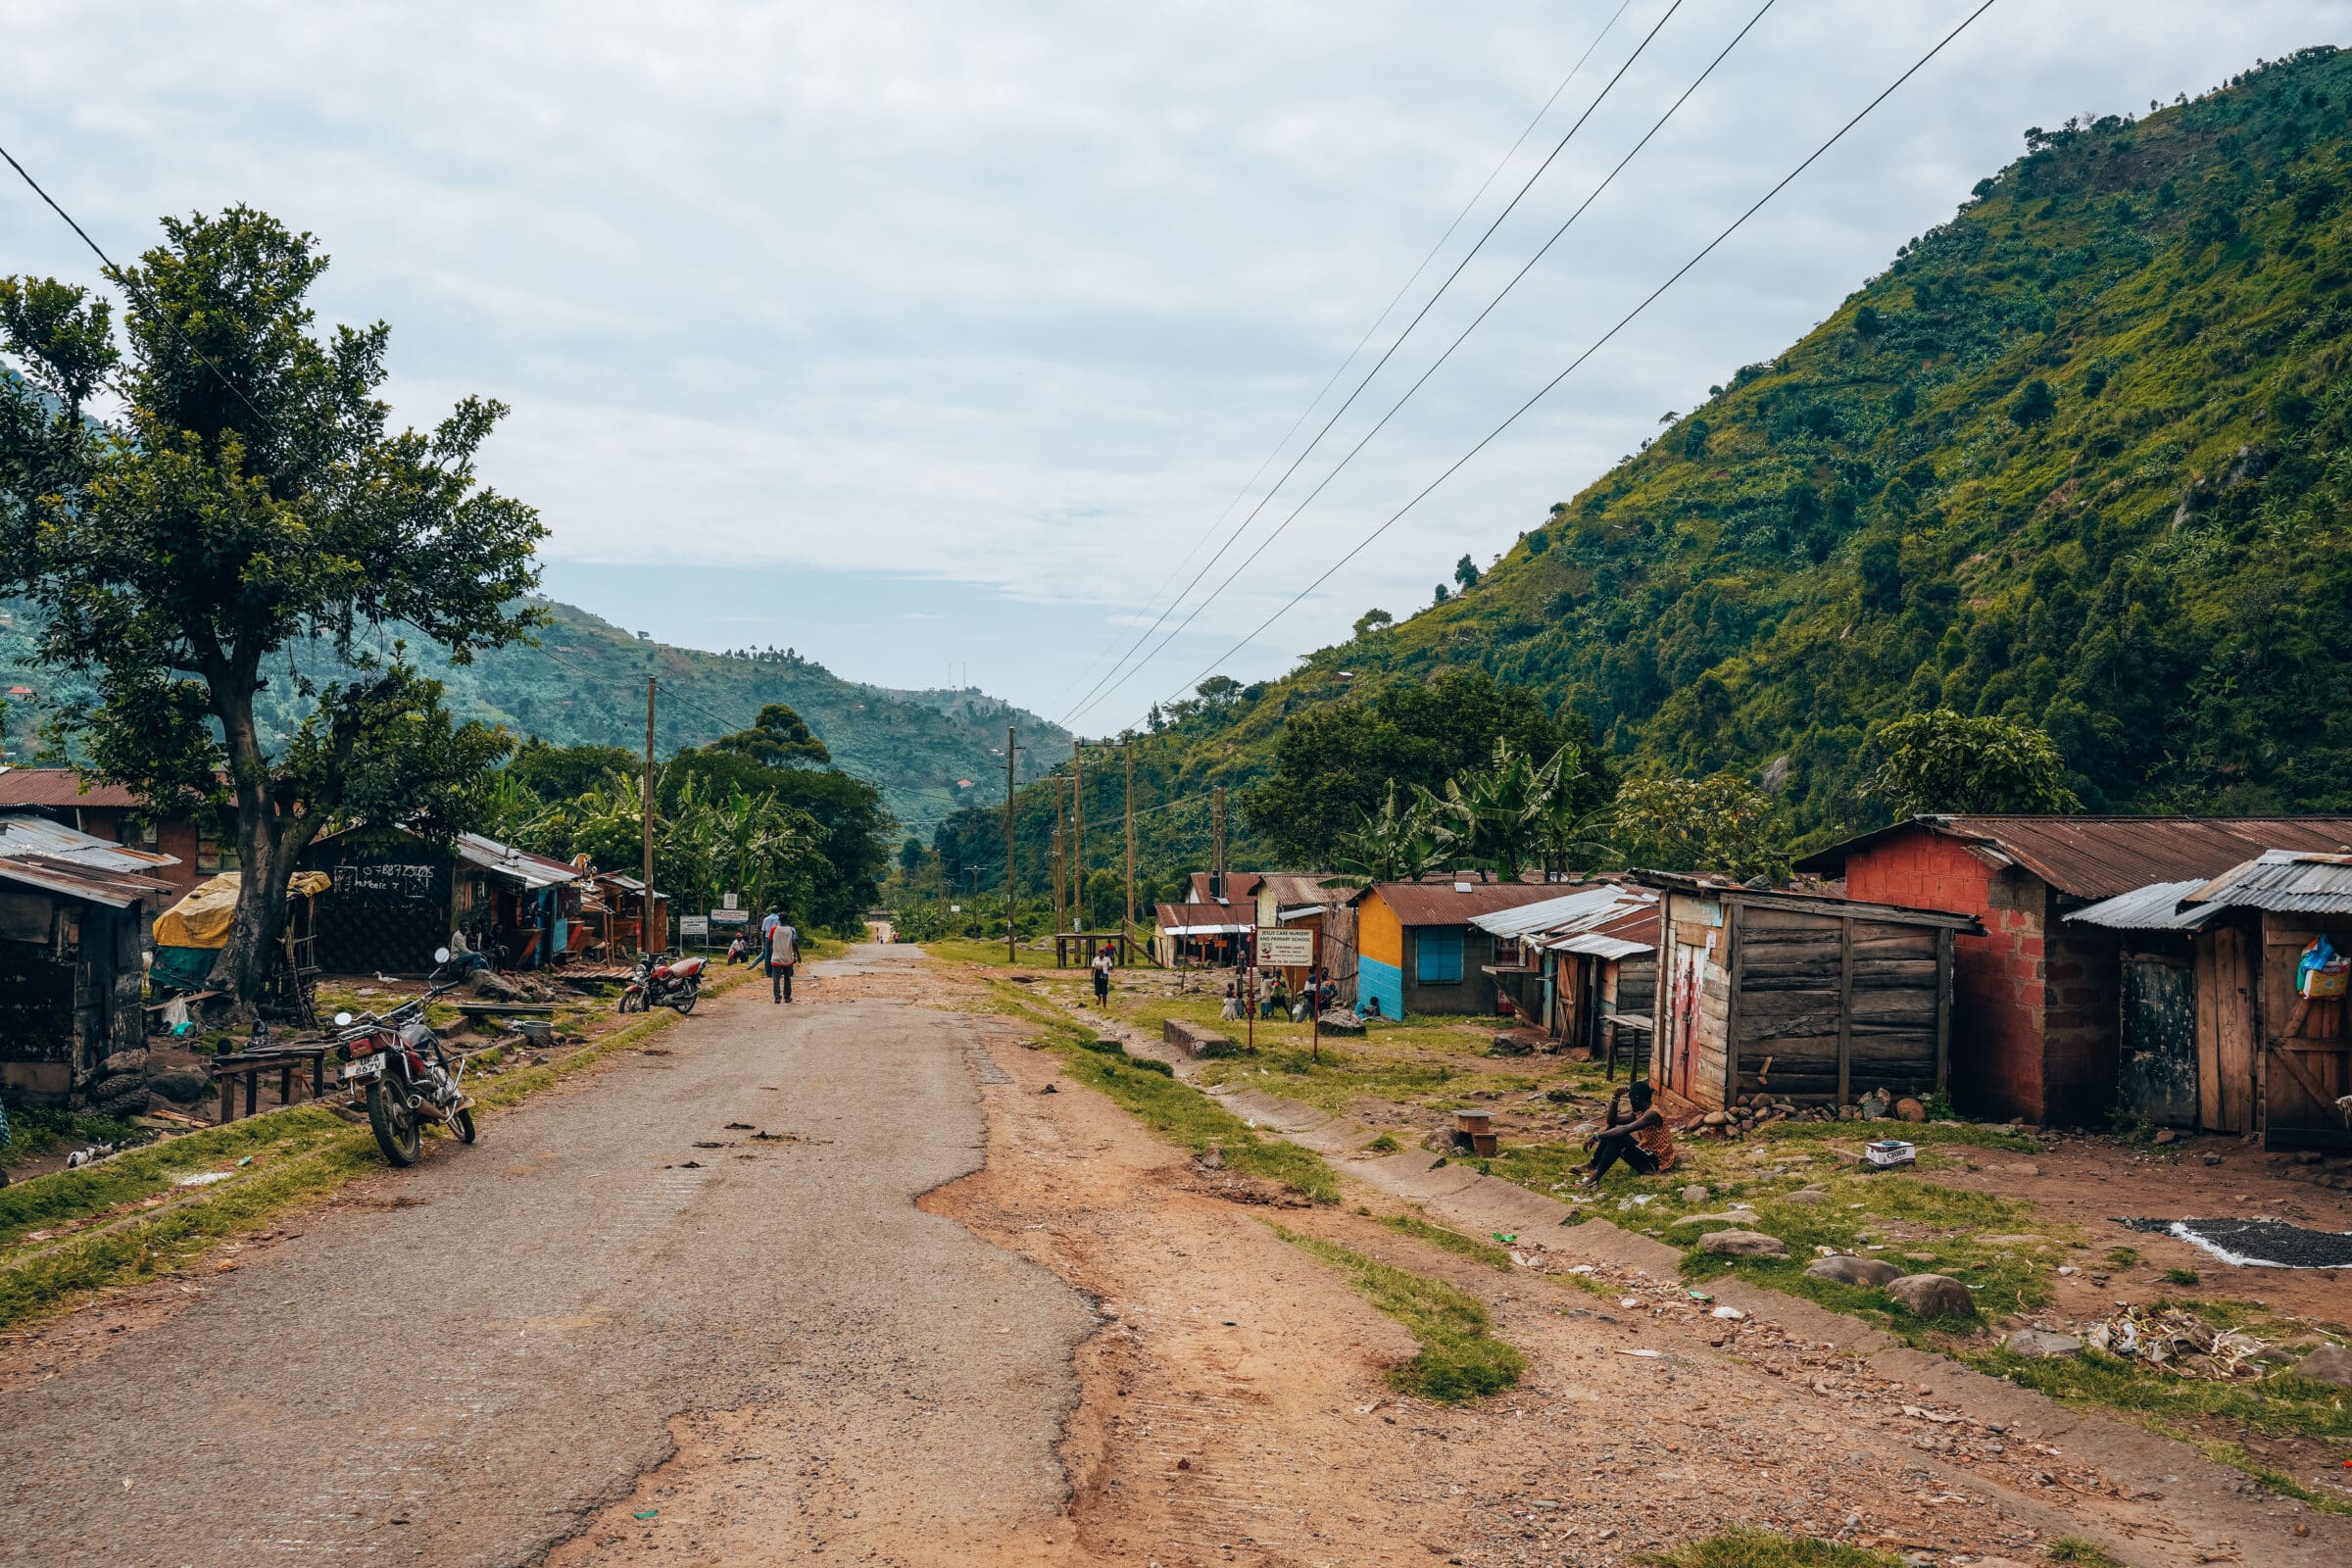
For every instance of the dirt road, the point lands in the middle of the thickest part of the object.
(456, 1365)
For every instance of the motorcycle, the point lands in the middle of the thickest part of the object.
(661, 981)
(409, 1078)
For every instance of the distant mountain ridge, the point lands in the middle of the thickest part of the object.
(930, 753)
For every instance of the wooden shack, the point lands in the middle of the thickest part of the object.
(1809, 998)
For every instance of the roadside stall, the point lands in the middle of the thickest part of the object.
(190, 936)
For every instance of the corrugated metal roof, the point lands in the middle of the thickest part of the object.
(531, 871)
(1194, 920)
(1594, 943)
(2100, 856)
(1239, 886)
(1449, 903)
(35, 851)
(2154, 908)
(1292, 889)
(58, 786)
(2279, 880)
(1589, 908)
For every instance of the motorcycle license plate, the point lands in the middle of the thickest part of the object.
(365, 1068)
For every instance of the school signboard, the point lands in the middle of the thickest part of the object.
(1284, 947)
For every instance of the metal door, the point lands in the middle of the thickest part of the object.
(2158, 1078)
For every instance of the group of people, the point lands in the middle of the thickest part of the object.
(1269, 998)
(776, 949)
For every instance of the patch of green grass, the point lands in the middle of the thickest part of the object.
(37, 1130)
(1459, 1359)
(2121, 1256)
(1151, 1092)
(66, 1196)
(1743, 1548)
(2179, 1276)
(2083, 1553)
(2280, 1405)
(1469, 1246)
(1385, 1144)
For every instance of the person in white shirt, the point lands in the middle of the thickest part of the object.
(783, 944)
(1101, 967)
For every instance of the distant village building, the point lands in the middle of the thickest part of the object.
(1581, 966)
(2039, 996)
(111, 812)
(1418, 952)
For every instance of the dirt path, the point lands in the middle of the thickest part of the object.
(457, 1364)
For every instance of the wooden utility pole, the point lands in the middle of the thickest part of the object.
(1130, 837)
(1216, 842)
(1012, 746)
(1061, 860)
(1078, 834)
(645, 922)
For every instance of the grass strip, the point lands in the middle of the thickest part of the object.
(1743, 1548)
(1183, 1114)
(1454, 1242)
(316, 1153)
(2083, 1553)
(1459, 1359)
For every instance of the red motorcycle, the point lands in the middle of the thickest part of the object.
(409, 1078)
(663, 981)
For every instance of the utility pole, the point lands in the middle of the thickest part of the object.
(1130, 837)
(1061, 860)
(1216, 842)
(1078, 834)
(1012, 737)
(645, 924)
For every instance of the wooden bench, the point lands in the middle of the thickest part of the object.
(249, 1065)
(1196, 1040)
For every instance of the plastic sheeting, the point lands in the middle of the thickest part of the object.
(202, 919)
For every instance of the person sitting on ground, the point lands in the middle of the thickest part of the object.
(1642, 1140)
(1102, 969)
(1233, 997)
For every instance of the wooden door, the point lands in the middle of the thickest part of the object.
(2226, 1044)
(2158, 1078)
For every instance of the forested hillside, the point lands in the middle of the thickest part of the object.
(584, 685)
(2076, 457)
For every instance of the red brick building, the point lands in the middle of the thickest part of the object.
(109, 811)
(2037, 1022)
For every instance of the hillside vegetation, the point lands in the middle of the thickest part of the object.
(584, 685)
(2078, 458)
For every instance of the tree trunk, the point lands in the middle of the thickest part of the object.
(268, 843)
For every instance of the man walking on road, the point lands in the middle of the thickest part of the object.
(1102, 969)
(783, 952)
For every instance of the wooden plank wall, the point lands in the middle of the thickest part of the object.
(1838, 1008)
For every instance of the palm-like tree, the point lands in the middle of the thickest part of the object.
(1394, 843)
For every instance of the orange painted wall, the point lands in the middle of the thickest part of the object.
(1377, 934)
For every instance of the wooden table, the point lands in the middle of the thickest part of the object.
(249, 1065)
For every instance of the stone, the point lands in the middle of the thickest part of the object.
(1909, 1109)
(2213, 1159)
(2040, 1344)
(131, 1061)
(179, 1086)
(1847, 1269)
(2025, 1170)
(1714, 1119)
(2332, 1364)
(495, 986)
(1696, 1194)
(1933, 1296)
(1742, 1244)
(2165, 1135)
(1806, 1196)
(1877, 1105)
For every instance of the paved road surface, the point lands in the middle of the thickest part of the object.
(461, 1380)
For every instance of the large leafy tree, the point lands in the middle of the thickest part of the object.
(249, 499)
(1722, 823)
(1948, 761)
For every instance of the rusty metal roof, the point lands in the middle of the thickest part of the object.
(2100, 856)
(2282, 881)
(1834, 906)
(1451, 903)
(50, 787)
(1238, 885)
(1294, 890)
(35, 851)
(531, 871)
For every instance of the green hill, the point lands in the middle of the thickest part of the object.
(2077, 456)
(584, 684)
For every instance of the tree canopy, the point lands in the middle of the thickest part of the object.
(1948, 761)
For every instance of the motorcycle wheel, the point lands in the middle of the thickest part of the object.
(631, 1000)
(462, 1123)
(396, 1127)
(685, 1003)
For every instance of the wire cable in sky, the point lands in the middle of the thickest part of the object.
(1243, 526)
(1624, 321)
(1464, 336)
(1201, 538)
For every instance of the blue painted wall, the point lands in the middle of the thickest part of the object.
(1386, 981)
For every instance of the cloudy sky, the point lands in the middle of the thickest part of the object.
(930, 337)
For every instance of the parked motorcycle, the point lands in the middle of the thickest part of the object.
(409, 1079)
(663, 981)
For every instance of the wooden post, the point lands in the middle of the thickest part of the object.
(1943, 1007)
(1130, 748)
(1012, 745)
(1845, 1011)
(1731, 1004)
(1056, 860)
(645, 925)
(1084, 917)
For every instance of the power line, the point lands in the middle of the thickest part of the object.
(1431, 304)
(123, 281)
(1491, 305)
(1369, 332)
(1627, 320)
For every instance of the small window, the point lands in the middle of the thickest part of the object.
(1437, 957)
(213, 855)
(144, 834)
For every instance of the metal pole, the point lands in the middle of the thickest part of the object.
(1011, 747)
(645, 924)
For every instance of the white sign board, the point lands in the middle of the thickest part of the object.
(692, 925)
(730, 916)
(730, 900)
(1284, 947)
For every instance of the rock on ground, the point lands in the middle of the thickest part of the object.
(1933, 1296)
(2332, 1364)
(1742, 1244)
(1847, 1269)
(2040, 1344)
